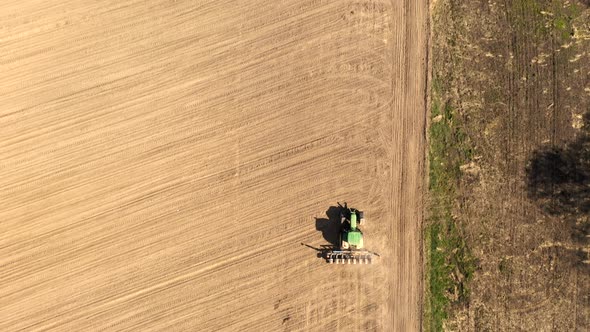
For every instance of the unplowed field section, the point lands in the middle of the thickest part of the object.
(161, 163)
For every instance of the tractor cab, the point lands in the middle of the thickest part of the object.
(351, 236)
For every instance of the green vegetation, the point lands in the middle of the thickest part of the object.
(537, 21)
(563, 17)
(449, 263)
(554, 16)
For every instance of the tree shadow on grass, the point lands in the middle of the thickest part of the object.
(558, 179)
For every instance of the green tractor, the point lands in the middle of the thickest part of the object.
(351, 248)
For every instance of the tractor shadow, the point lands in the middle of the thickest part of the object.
(330, 227)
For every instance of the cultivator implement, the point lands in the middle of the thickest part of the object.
(349, 257)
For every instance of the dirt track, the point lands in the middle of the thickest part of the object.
(162, 164)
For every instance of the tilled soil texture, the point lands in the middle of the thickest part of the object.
(162, 162)
(517, 74)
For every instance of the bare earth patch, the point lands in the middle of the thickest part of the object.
(162, 161)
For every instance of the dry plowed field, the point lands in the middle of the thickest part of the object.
(162, 163)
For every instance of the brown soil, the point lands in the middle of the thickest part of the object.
(518, 74)
(163, 161)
